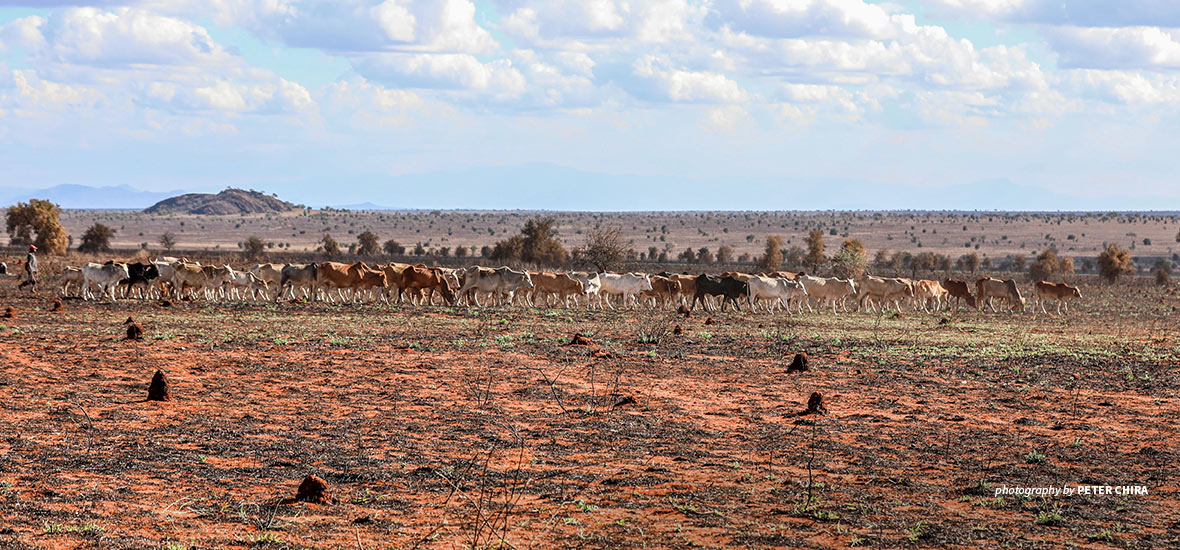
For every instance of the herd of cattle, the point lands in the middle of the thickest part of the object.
(181, 279)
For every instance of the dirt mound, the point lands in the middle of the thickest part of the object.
(683, 310)
(799, 364)
(229, 201)
(9, 313)
(677, 330)
(602, 354)
(165, 303)
(579, 339)
(815, 405)
(160, 389)
(134, 330)
(709, 321)
(313, 489)
(56, 305)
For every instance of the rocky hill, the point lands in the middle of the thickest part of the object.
(230, 201)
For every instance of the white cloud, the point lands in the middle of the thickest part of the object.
(599, 24)
(1123, 87)
(791, 19)
(656, 78)
(1121, 48)
(120, 38)
(441, 71)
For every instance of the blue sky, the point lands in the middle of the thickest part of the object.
(335, 102)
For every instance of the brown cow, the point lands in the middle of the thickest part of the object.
(960, 290)
(431, 279)
(393, 279)
(1006, 290)
(356, 278)
(664, 290)
(1058, 291)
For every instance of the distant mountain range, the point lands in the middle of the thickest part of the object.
(86, 197)
(542, 186)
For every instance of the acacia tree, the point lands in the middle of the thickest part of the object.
(329, 245)
(97, 238)
(1114, 262)
(168, 241)
(604, 248)
(39, 217)
(815, 250)
(367, 244)
(393, 248)
(537, 243)
(725, 254)
(852, 259)
(772, 255)
(254, 246)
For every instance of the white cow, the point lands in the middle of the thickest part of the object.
(105, 276)
(249, 282)
(770, 288)
(591, 285)
(626, 285)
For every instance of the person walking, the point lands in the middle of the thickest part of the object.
(31, 268)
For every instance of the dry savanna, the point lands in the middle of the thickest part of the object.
(198, 421)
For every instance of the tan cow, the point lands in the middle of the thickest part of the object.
(688, 286)
(882, 291)
(394, 272)
(1057, 291)
(988, 288)
(927, 292)
(548, 284)
(356, 278)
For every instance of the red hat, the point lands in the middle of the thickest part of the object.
(32, 248)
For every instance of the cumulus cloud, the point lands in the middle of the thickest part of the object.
(657, 78)
(1121, 48)
(441, 71)
(827, 18)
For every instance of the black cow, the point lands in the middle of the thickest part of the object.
(729, 287)
(139, 273)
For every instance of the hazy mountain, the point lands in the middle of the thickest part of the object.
(84, 196)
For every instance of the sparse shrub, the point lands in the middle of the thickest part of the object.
(1114, 262)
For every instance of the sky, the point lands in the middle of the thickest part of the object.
(753, 101)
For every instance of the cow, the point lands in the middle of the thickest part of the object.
(394, 272)
(3, 268)
(216, 278)
(106, 276)
(271, 275)
(926, 292)
(139, 274)
(561, 285)
(826, 289)
(420, 277)
(664, 291)
(1057, 291)
(71, 275)
(591, 284)
(251, 283)
(960, 290)
(297, 275)
(988, 288)
(729, 288)
(626, 285)
(770, 288)
(883, 291)
(688, 285)
(357, 278)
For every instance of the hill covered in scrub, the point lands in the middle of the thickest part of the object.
(229, 201)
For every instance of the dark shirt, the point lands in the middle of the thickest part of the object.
(31, 262)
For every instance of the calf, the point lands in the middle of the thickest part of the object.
(1058, 291)
(960, 291)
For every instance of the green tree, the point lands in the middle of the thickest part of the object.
(97, 238)
(39, 217)
(540, 245)
(704, 256)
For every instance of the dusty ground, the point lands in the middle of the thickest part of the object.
(449, 428)
(990, 235)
